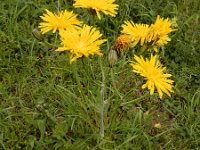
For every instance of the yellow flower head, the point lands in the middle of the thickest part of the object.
(159, 31)
(157, 125)
(138, 32)
(81, 42)
(153, 72)
(106, 6)
(62, 20)
(122, 43)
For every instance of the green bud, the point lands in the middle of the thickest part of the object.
(112, 57)
(37, 34)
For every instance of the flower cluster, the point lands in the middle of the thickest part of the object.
(149, 36)
(82, 40)
(79, 39)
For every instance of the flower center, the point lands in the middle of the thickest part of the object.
(81, 45)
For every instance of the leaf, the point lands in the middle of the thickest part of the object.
(41, 125)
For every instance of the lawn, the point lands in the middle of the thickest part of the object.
(46, 102)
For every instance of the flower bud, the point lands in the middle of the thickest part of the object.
(122, 43)
(37, 34)
(112, 57)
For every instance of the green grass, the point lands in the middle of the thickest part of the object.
(43, 105)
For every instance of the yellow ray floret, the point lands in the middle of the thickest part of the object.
(81, 42)
(106, 6)
(153, 72)
(62, 20)
(138, 32)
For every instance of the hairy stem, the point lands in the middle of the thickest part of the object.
(102, 94)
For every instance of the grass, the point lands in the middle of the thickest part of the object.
(42, 106)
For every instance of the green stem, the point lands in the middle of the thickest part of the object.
(58, 5)
(32, 50)
(102, 94)
(135, 100)
(46, 44)
(75, 74)
(56, 38)
(113, 82)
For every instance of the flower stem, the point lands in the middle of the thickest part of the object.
(113, 82)
(102, 94)
(58, 6)
(75, 74)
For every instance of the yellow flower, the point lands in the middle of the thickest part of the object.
(153, 72)
(159, 31)
(106, 6)
(138, 32)
(157, 125)
(62, 20)
(81, 42)
(122, 43)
